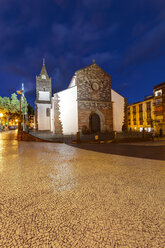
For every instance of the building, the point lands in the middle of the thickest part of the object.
(43, 100)
(141, 115)
(159, 107)
(150, 113)
(87, 105)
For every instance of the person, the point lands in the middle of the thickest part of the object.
(160, 132)
(27, 128)
(153, 133)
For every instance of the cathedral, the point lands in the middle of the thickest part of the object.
(89, 104)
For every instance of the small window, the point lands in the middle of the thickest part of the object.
(48, 112)
(43, 76)
(158, 93)
(134, 109)
(141, 115)
(158, 101)
(148, 105)
(140, 108)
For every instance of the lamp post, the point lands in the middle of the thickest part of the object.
(21, 93)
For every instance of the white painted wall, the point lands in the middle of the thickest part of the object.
(52, 128)
(44, 95)
(118, 110)
(43, 120)
(72, 82)
(68, 110)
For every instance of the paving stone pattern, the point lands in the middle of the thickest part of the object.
(54, 195)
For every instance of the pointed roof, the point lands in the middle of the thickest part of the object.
(92, 65)
(43, 70)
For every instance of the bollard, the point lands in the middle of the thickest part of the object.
(115, 135)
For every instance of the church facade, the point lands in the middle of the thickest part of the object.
(87, 105)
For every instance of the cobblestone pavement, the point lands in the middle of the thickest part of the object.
(55, 195)
(137, 150)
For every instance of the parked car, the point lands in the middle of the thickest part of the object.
(12, 127)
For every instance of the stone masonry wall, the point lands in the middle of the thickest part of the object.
(43, 85)
(94, 96)
(57, 121)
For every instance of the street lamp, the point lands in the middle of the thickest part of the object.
(21, 93)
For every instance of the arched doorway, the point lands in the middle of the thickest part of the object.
(94, 123)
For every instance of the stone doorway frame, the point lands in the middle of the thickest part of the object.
(102, 119)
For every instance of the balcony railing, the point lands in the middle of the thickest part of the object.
(158, 112)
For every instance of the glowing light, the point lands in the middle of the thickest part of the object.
(1, 115)
(158, 93)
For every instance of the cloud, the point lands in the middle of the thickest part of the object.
(79, 36)
(97, 3)
(148, 47)
(17, 70)
(100, 58)
(61, 3)
(123, 86)
(70, 34)
(156, 4)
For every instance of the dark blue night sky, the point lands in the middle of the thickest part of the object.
(126, 38)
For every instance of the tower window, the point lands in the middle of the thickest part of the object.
(43, 76)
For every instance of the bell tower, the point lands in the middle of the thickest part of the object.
(43, 100)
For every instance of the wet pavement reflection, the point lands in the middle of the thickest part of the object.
(55, 195)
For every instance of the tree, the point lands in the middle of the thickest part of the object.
(30, 110)
(11, 106)
(6, 104)
(6, 107)
(1, 102)
(14, 104)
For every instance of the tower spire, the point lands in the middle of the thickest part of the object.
(43, 70)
